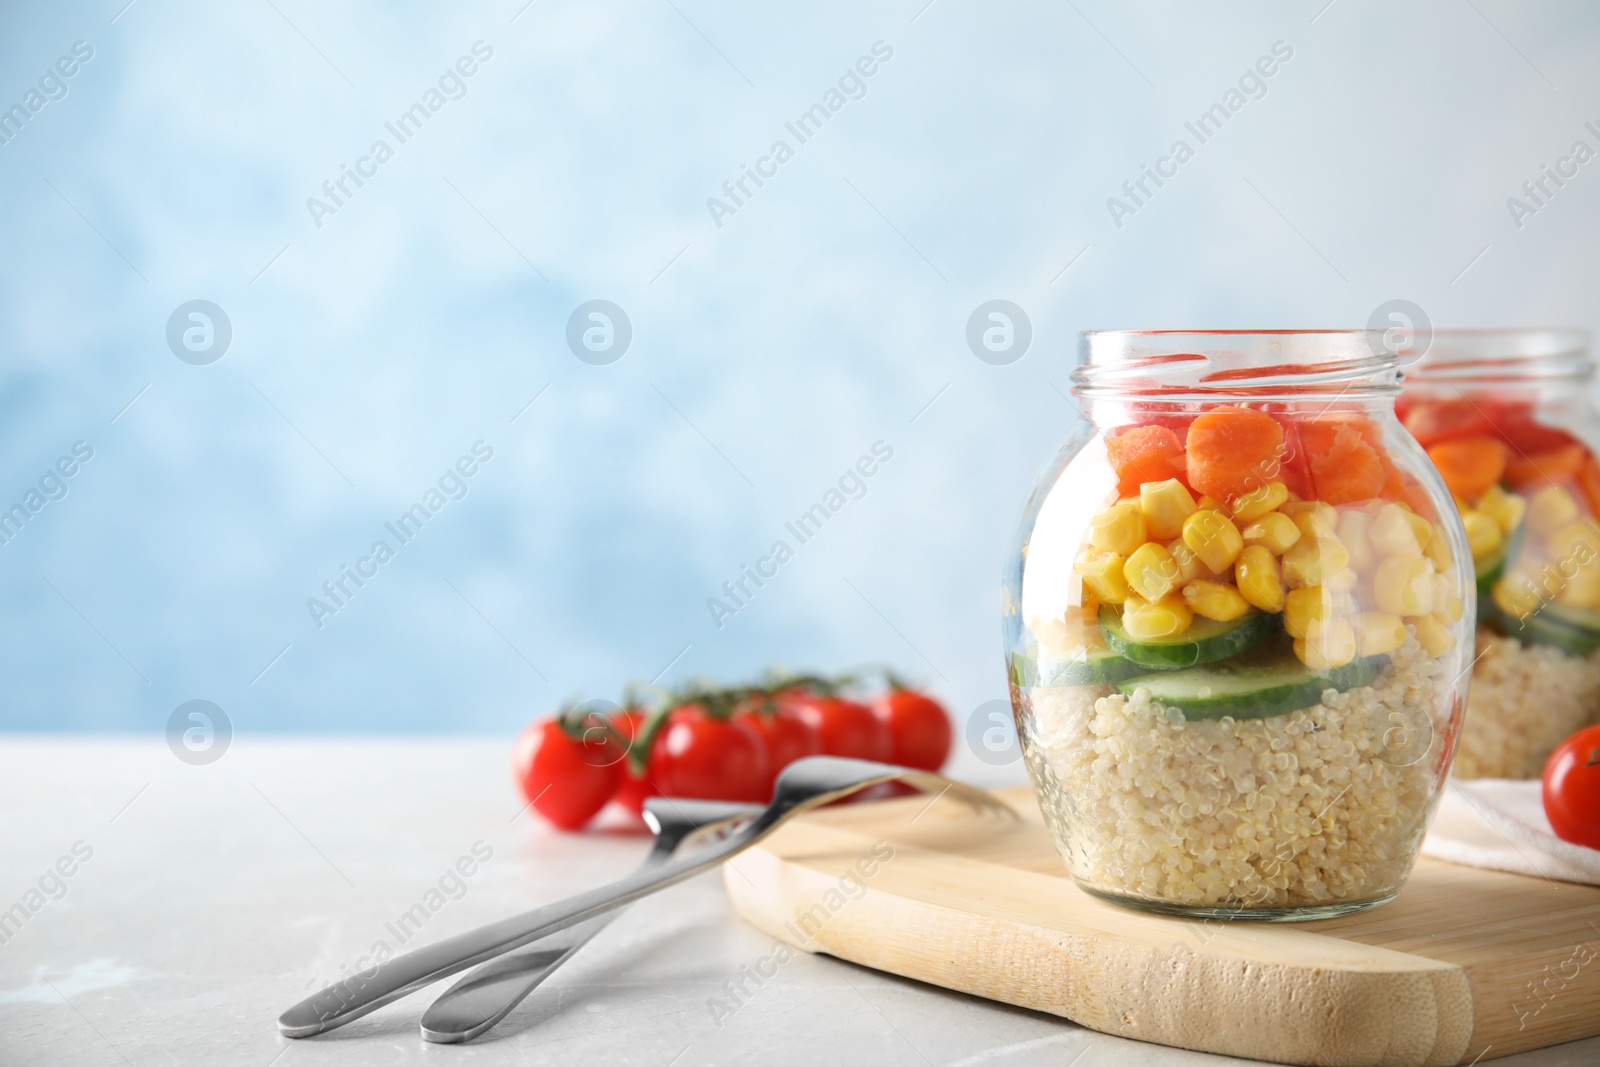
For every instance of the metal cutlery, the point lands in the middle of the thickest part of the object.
(804, 784)
(477, 1003)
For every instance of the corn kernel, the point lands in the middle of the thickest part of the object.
(1355, 533)
(1256, 575)
(1396, 531)
(1483, 535)
(1433, 634)
(1506, 509)
(1210, 503)
(1315, 525)
(1257, 502)
(1102, 575)
(1517, 596)
(1165, 505)
(1119, 528)
(1403, 585)
(1190, 566)
(1274, 531)
(1378, 632)
(1302, 607)
(1314, 518)
(1550, 509)
(1300, 507)
(1438, 550)
(1341, 581)
(1421, 528)
(1310, 562)
(1575, 543)
(1445, 599)
(1582, 590)
(1327, 644)
(1214, 538)
(1145, 620)
(1213, 600)
(1150, 571)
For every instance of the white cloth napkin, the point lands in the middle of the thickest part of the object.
(1500, 824)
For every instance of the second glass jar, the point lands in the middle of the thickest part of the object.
(1506, 416)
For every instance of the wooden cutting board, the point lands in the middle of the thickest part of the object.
(1464, 964)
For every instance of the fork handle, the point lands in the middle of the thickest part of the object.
(476, 1004)
(363, 992)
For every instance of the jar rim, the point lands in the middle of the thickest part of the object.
(1505, 355)
(1216, 365)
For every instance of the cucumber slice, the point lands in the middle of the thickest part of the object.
(1020, 670)
(1252, 687)
(1488, 575)
(1090, 664)
(1572, 630)
(1577, 618)
(1096, 666)
(1205, 641)
(1491, 570)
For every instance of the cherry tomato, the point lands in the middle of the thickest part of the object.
(567, 768)
(1432, 421)
(783, 733)
(633, 789)
(1572, 788)
(844, 727)
(919, 729)
(696, 754)
(1517, 426)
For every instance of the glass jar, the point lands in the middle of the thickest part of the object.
(1507, 417)
(1237, 619)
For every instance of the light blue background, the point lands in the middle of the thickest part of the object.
(768, 354)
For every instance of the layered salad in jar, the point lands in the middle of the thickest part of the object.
(1529, 495)
(1241, 689)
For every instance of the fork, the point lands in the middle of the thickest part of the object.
(803, 785)
(477, 1003)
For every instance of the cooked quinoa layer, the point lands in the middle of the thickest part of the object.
(1524, 701)
(1323, 805)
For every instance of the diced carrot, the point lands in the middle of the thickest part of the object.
(1178, 422)
(1411, 493)
(1589, 482)
(1395, 485)
(1294, 470)
(1345, 460)
(1471, 466)
(1233, 450)
(1556, 465)
(1349, 471)
(1144, 454)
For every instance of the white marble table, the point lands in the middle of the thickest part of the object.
(215, 896)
